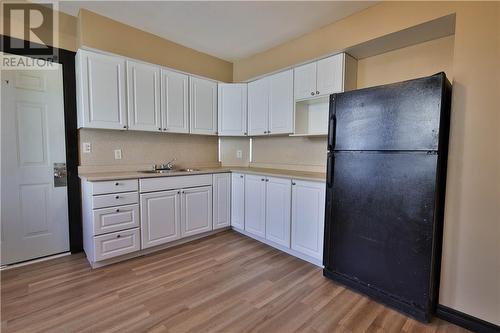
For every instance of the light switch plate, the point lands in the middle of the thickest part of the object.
(87, 147)
(118, 154)
(239, 154)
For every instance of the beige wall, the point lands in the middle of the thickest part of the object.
(105, 34)
(140, 150)
(470, 279)
(407, 63)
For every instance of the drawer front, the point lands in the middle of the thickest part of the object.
(174, 182)
(114, 186)
(116, 199)
(116, 244)
(115, 219)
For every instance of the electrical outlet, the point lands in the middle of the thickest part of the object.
(87, 147)
(239, 154)
(118, 154)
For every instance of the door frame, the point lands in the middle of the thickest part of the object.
(67, 60)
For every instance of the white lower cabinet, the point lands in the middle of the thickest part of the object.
(308, 216)
(238, 200)
(196, 210)
(221, 200)
(116, 244)
(278, 201)
(160, 217)
(255, 205)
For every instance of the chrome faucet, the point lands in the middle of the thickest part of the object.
(166, 166)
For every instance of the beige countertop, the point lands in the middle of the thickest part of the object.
(299, 175)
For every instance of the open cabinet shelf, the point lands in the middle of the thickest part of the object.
(311, 117)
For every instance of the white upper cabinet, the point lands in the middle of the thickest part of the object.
(174, 102)
(221, 200)
(305, 81)
(202, 106)
(281, 103)
(270, 104)
(255, 205)
(238, 200)
(232, 109)
(258, 107)
(308, 216)
(330, 75)
(101, 91)
(320, 78)
(278, 202)
(143, 96)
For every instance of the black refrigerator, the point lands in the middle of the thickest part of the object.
(386, 174)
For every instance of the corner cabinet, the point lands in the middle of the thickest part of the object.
(270, 104)
(238, 201)
(202, 106)
(143, 96)
(232, 109)
(221, 185)
(101, 95)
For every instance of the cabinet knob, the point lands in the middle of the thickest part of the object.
(241, 176)
(118, 236)
(165, 129)
(267, 180)
(293, 183)
(268, 132)
(245, 133)
(159, 128)
(124, 126)
(117, 197)
(317, 92)
(312, 93)
(116, 184)
(117, 210)
(178, 192)
(262, 179)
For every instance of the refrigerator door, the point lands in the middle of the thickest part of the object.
(380, 214)
(400, 116)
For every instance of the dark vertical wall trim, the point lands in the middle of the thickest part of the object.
(67, 60)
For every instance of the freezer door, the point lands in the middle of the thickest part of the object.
(380, 222)
(400, 116)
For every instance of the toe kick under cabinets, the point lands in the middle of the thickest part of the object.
(127, 218)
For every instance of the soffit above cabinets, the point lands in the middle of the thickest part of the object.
(227, 30)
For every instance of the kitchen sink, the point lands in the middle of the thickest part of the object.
(157, 171)
(188, 170)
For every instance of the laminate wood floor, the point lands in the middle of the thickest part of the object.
(223, 283)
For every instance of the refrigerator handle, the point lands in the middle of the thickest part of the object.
(332, 124)
(329, 169)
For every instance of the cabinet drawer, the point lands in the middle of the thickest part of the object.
(114, 186)
(116, 244)
(115, 219)
(174, 182)
(117, 199)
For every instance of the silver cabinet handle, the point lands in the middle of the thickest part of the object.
(312, 93)
(317, 92)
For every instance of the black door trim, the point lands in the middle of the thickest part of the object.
(67, 60)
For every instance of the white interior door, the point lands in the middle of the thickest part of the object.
(34, 208)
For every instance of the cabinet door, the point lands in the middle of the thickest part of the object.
(305, 81)
(174, 101)
(196, 210)
(258, 107)
(232, 109)
(238, 200)
(281, 103)
(102, 90)
(255, 205)
(202, 106)
(308, 217)
(330, 75)
(221, 200)
(143, 96)
(160, 218)
(278, 202)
